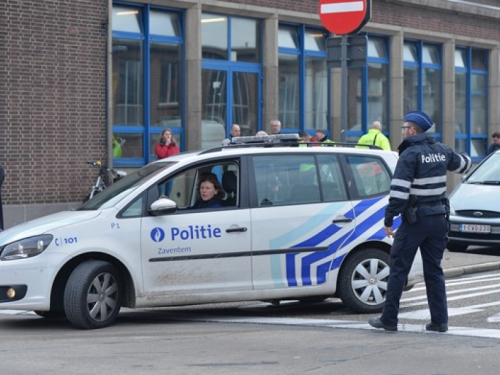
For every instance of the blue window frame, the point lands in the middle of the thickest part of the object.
(147, 77)
(471, 101)
(231, 76)
(371, 85)
(423, 81)
(304, 88)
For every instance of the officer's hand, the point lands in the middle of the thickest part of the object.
(389, 232)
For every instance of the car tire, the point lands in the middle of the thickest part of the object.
(93, 295)
(456, 247)
(51, 314)
(362, 283)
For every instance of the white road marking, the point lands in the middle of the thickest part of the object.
(330, 323)
(353, 6)
(414, 328)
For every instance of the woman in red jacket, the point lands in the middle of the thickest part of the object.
(166, 145)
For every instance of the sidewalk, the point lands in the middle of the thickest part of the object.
(476, 259)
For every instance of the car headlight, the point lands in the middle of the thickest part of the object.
(26, 248)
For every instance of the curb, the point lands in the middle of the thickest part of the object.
(483, 267)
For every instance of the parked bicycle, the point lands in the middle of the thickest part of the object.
(102, 177)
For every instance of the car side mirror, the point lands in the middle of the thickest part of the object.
(162, 206)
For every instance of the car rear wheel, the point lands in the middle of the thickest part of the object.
(456, 247)
(93, 295)
(362, 284)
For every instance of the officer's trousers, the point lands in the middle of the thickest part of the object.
(429, 233)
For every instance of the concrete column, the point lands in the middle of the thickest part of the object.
(397, 89)
(336, 104)
(448, 70)
(448, 125)
(270, 88)
(193, 77)
(494, 92)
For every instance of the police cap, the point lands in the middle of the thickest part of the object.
(420, 118)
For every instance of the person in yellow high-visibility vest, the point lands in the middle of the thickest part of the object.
(375, 137)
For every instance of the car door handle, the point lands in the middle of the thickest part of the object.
(342, 220)
(240, 229)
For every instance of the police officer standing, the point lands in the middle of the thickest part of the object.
(418, 193)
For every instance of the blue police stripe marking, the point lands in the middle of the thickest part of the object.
(342, 242)
(293, 236)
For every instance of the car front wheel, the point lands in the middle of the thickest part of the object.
(362, 284)
(93, 295)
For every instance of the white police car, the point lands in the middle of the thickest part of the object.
(295, 223)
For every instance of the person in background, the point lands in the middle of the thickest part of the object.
(261, 133)
(117, 147)
(275, 126)
(375, 137)
(210, 192)
(496, 143)
(2, 177)
(234, 132)
(322, 138)
(166, 146)
(418, 192)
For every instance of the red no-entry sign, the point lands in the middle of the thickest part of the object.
(344, 16)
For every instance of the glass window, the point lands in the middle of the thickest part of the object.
(128, 86)
(410, 88)
(430, 55)
(355, 105)
(431, 96)
(314, 40)
(422, 81)
(378, 94)
(286, 180)
(214, 32)
(460, 102)
(316, 92)
(460, 58)
(371, 87)
(332, 181)
(214, 110)
(371, 175)
(245, 37)
(165, 24)
(410, 52)
(288, 37)
(471, 102)
(289, 90)
(377, 47)
(478, 59)
(165, 68)
(303, 78)
(139, 62)
(126, 19)
(183, 188)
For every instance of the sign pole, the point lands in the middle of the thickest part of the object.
(344, 17)
(344, 91)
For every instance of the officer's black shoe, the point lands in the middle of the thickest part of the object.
(377, 323)
(443, 327)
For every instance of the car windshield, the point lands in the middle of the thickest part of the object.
(124, 187)
(487, 172)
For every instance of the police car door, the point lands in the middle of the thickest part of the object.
(302, 218)
(197, 250)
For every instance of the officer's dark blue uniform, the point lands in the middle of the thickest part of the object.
(420, 178)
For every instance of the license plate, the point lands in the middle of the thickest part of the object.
(474, 228)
